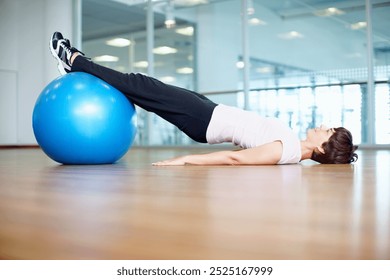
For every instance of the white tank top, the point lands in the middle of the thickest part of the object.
(248, 130)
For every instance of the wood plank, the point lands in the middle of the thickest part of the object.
(132, 210)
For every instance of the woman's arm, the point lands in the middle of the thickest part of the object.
(269, 153)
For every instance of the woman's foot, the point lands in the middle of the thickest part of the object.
(61, 49)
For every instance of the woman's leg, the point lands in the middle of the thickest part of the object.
(188, 110)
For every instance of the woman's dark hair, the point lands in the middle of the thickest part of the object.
(338, 149)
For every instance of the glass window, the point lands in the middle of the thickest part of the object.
(315, 50)
(381, 45)
(308, 59)
(115, 35)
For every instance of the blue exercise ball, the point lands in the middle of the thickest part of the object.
(80, 119)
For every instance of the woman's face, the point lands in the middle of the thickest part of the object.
(319, 135)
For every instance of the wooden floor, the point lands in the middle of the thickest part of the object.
(132, 210)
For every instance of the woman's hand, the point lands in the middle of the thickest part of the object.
(171, 162)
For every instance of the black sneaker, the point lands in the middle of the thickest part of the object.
(62, 51)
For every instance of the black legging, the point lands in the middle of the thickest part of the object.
(189, 111)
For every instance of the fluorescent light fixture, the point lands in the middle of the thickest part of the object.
(121, 68)
(141, 64)
(240, 64)
(138, 2)
(164, 50)
(256, 21)
(170, 23)
(358, 25)
(167, 79)
(185, 70)
(290, 35)
(169, 17)
(186, 31)
(190, 2)
(106, 58)
(332, 11)
(177, 2)
(118, 42)
(250, 8)
(264, 70)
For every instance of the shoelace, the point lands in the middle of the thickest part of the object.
(64, 43)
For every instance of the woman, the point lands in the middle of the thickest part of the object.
(264, 140)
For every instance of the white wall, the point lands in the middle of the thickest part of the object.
(26, 64)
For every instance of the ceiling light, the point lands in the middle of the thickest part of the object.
(332, 11)
(358, 25)
(177, 2)
(290, 35)
(240, 64)
(169, 17)
(170, 22)
(141, 64)
(105, 58)
(118, 42)
(250, 8)
(121, 69)
(265, 69)
(256, 21)
(185, 70)
(187, 31)
(190, 2)
(164, 50)
(167, 79)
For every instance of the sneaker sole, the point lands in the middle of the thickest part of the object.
(61, 69)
